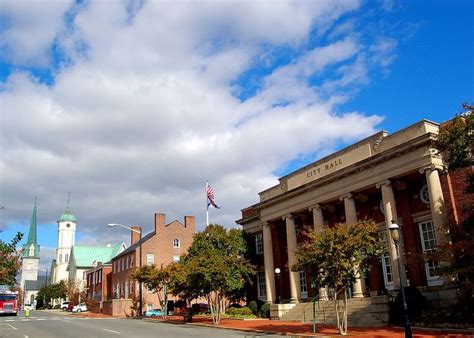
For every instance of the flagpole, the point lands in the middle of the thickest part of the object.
(207, 205)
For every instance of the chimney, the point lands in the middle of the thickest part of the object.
(160, 220)
(134, 236)
(189, 222)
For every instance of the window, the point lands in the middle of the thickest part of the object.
(131, 260)
(261, 286)
(123, 263)
(100, 276)
(386, 262)
(425, 194)
(259, 244)
(60, 258)
(428, 243)
(150, 259)
(126, 263)
(175, 258)
(303, 285)
(149, 307)
(176, 243)
(66, 258)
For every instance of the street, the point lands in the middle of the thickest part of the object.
(49, 324)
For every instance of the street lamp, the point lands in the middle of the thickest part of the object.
(277, 275)
(140, 288)
(395, 235)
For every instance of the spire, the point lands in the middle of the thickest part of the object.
(32, 233)
(31, 248)
(67, 216)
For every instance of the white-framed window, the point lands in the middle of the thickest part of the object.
(424, 194)
(259, 243)
(303, 285)
(60, 258)
(386, 262)
(100, 276)
(176, 243)
(149, 306)
(176, 258)
(66, 258)
(126, 263)
(122, 260)
(131, 260)
(428, 244)
(261, 286)
(150, 259)
(126, 289)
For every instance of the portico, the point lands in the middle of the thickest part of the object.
(383, 178)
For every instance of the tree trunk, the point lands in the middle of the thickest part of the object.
(341, 314)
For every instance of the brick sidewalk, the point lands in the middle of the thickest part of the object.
(297, 328)
(305, 329)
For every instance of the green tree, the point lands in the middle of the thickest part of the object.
(215, 267)
(156, 280)
(52, 291)
(456, 144)
(10, 262)
(336, 256)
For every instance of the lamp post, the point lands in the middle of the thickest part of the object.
(140, 288)
(277, 276)
(395, 235)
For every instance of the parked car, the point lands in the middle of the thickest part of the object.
(64, 306)
(153, 313)
(81, 307)
(70, 306)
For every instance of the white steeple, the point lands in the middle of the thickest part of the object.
(66, 238)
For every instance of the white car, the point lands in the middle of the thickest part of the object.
(64, 306)
(81, 307)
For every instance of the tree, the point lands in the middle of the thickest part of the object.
(75, 291)
(215, 267)
(52, 291)
(10, 261)
(156, 280)
(336, 256)
(456, 143)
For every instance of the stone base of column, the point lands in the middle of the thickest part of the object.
(358, 287)
(294, 301)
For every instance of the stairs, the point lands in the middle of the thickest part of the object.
(358, 313)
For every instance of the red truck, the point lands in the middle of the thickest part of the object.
(8, 302)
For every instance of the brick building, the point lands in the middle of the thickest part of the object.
(161, 247)
(99, 285)
(384, 177)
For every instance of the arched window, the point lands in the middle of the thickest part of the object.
(176, 243)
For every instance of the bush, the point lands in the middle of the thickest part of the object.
(265, 311)
(237, 305)
(235, 311)
(415, 303)
(255, 306)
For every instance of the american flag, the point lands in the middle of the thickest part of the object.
(210, 198)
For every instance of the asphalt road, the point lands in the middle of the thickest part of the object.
(48, 324)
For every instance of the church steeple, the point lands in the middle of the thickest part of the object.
(67, 216)
(31, 248)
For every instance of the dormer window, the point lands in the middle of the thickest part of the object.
(176, 243)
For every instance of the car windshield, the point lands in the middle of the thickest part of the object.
(7, 297)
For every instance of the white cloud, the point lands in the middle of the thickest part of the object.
(145, 111)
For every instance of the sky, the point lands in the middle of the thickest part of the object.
(132, 105)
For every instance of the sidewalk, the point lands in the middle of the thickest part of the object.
(306, 330)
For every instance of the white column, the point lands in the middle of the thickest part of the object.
(390, 212)
(268, 261)
(438, 211)
(318, 224)
(291, 244)
(351, 219)
(318, 220)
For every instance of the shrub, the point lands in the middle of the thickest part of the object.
(415, 303)
(253, 306)
(265, 311)
(237, 305)
(235, 311)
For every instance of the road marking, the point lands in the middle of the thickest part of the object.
(26, 336)
(10, 320)
(111, 331)
(14, 328)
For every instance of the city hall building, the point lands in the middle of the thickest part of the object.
(384, 177)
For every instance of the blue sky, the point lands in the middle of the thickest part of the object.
(131, 106)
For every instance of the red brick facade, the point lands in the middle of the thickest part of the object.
(161, 247)
(99, 286)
